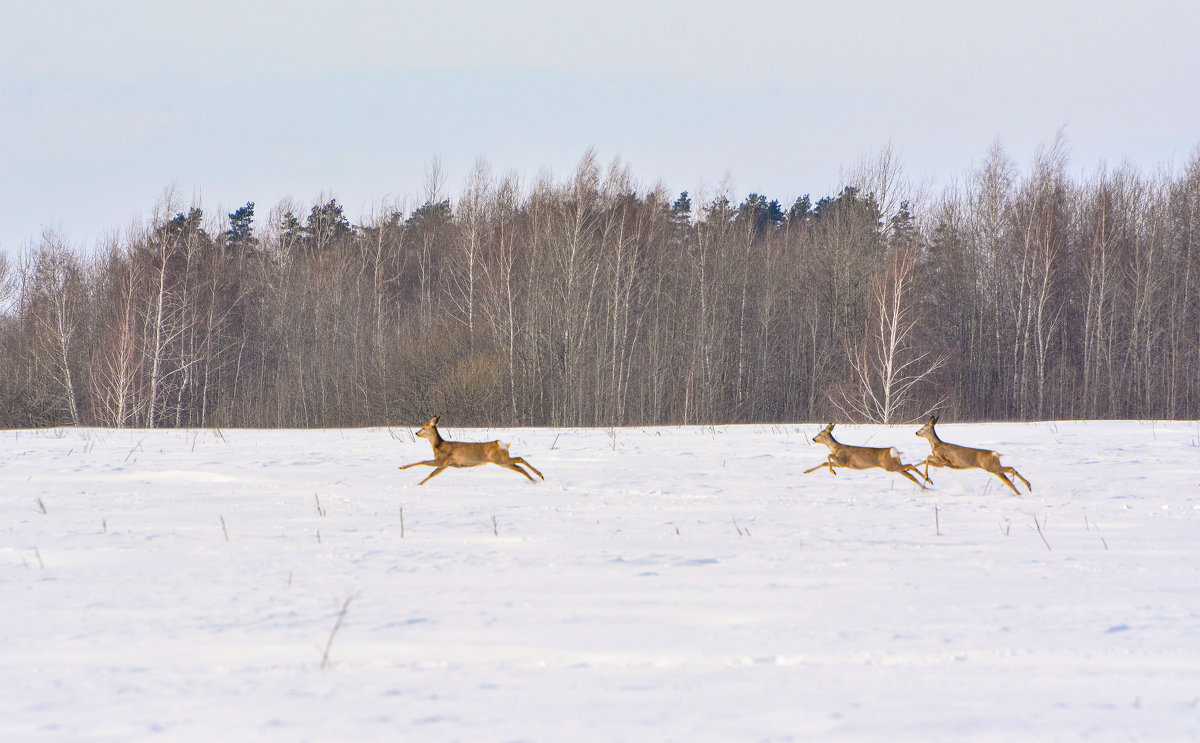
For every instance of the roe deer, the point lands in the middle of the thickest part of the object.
(862, 457)
(466, 454)
(964, 457)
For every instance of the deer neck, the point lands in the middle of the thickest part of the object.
(932, 438)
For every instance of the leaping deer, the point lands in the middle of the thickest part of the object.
(964, 457)
(862, 458)
(466, 454)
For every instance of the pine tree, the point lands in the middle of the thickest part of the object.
(239, 238)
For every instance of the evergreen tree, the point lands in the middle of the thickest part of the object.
(290, 233)
(239, 238)
(681, 210)
(759, 214)
(801, 210)
(326, 226)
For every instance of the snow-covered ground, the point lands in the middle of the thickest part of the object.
(670, 584)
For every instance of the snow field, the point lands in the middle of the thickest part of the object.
(665, 584)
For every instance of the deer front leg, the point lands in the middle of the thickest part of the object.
(926, 463)
(429, 462)
(827, 463)
(433, 474)
(913, 468)
(933, 460)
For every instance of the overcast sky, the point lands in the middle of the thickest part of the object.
(103, 105)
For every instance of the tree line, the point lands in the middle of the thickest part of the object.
(593, 301)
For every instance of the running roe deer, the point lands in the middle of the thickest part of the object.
(862, 457)
(466, 454)
(964, 457)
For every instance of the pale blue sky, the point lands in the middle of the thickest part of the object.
(105, 104)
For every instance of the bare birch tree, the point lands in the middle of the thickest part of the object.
(57, 306)
(117, 360)
(888, 364)
(466, 263)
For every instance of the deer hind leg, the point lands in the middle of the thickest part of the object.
(1002, 471)
(904, 471)
(521, 460)
(1014, 473)
(993, 465)
(429, 462)
(1007, 482)
(900, 468)
(512, 465)
(913, 468)
(437, 471)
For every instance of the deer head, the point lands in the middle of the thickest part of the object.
(825, 436)
(429, 430)
(926, 431)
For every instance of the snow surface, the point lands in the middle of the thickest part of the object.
(667, 584)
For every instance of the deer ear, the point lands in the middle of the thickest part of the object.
(933, 419)
(829, 428)
(433, 421)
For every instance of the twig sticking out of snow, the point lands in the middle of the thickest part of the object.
(1038, 525)
(1089, 528)
(135, 448)
(336, 627)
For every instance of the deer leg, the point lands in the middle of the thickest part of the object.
(430, 462)
(913, 468)
(926, 463)
(1014, 473)
(433, 474)
(910, 477)
(521, 460)
(517, 468)
(826, 463)
(1007, 481)
(916, 467)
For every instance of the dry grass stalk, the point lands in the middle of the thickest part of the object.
(336, 627)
